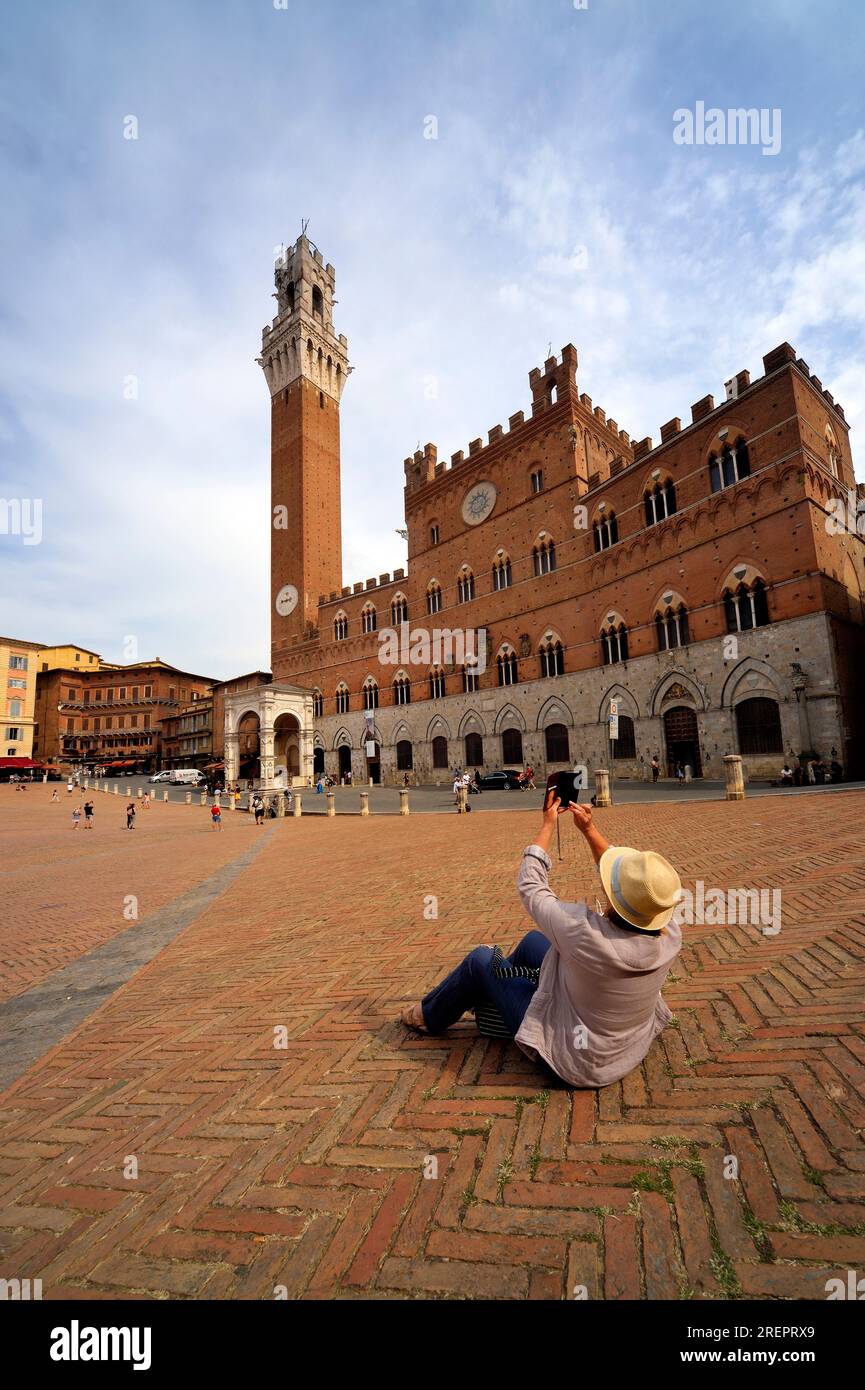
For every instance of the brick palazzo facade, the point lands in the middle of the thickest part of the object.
(112, 715)
(694, 580)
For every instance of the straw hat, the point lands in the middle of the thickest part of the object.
(642, 886)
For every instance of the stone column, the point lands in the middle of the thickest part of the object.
(602, 787)
(735, 783)
(364, 803)
(307, 752)
(403, 801)
(266, 757)
(232, 758)
(330, 798)
(280, 806)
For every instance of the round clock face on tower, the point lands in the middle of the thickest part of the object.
(286, 600)
(479, 502)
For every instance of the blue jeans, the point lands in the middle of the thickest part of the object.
(473, 982)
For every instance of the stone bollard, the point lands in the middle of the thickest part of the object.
(189, 798)
(139, 793)
(602, 787)
(462, 799)
(364, 803)
(330, 798)
(688, 773)
(203, 799)
(280, 806)
(403, 801)
(297, 808)
(735, 789)
(165, 796)
(116, 789)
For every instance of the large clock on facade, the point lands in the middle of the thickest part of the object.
(286, 600)
(478, 503)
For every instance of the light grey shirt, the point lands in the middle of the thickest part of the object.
(598, 1004)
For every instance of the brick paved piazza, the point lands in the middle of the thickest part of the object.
(358, 1161)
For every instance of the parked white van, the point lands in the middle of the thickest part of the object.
(184, 777)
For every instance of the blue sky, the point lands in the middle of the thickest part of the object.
(553, 207)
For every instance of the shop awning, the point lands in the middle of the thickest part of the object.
(17, 762)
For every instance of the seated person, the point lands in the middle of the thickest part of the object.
(583, 992)
(786, 776)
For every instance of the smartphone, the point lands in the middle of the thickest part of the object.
(564, 785)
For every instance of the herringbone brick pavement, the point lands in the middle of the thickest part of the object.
(65, 890)
(291, 1139)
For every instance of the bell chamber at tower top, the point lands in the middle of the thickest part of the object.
(300, 343)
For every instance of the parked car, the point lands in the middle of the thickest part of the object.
(507, 780)
(160, 777)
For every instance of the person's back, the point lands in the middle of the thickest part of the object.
(601, 978)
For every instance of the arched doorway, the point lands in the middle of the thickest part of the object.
(512, 748)
(286, 745)
(249, 747)
(317, 762)
(373, 765)
(344, 760)
(682, 739)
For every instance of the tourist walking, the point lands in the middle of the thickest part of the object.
(216, 816)
(145, 804)
(258, 809)
(55, 795)
(88, 815)
(656, 768)
(76, 817)
(69, 787)
(130, 816)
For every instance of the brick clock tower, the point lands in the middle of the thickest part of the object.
(306, 365)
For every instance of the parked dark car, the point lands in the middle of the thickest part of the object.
(501, 781)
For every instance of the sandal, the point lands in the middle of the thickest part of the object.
(412, 1017)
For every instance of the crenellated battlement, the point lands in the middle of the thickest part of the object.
(553, 385)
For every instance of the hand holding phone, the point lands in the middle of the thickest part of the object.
(564, 785)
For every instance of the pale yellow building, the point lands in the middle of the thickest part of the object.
(68, 658)
(19, 665)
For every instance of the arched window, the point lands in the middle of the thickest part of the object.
(399, 610)
(404, 755)
(731, 467)
(465, 586)
(512, 747)
(746, 607)
(402, 690)
(440, 751)
(758, 725)
(501, 573)
(557, 745)
(474, 750)
(290, 296)
(506, 661)
(614, 643)
(317, 301)
(434, 597)
(434, 534)
(552, 657)
(659, 501)
(436, 684)
(340, 627)
(317, 704)
(606, 531)
(671, 625)
(370, 693)
(470, 679)
(368, 618)
(537, 480)
(625, 745)
(833, 454)
(544, 556)
(342, 698)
